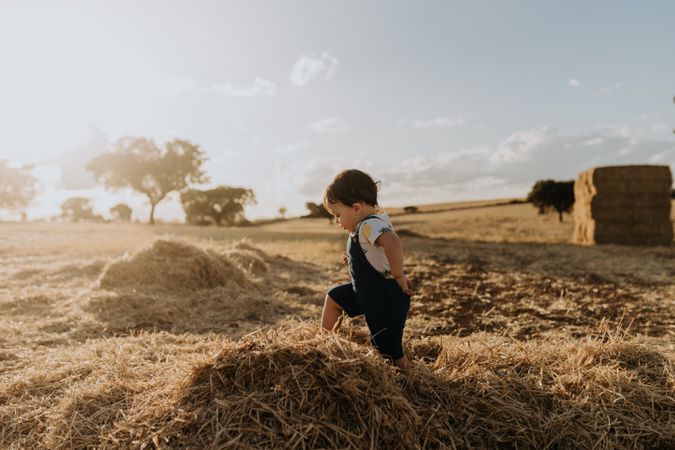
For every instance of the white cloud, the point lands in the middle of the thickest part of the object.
(659, 127)
(308, 177)
(574, 83)
(610, 89)
(444, 167)
(511, 167)
(520, 145)
(593, 142)
(257, 88)
(662, 157)
(643, 127)
(311, 66)
(330, 125)
(507, 169)
(448, 121)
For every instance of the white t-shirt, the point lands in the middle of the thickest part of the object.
(369, 230)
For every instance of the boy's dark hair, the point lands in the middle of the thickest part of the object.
(351, 186)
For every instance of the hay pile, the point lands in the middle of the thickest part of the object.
(298, 387)
(175, 265)
(627, 205)
(71, 396)
(175, 285)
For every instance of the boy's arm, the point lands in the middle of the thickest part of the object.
(393, 249)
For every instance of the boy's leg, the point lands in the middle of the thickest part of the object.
(339, 300)
(386, 314)
(331, 317)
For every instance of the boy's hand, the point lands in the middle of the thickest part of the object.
(345, 258)
(404, 283)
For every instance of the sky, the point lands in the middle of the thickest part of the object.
(438, 100)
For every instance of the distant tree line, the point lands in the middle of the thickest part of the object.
(146, 168)
(139, 164)
(223, 205)
(155, 172)
(79, 209)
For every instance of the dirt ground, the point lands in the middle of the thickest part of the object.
(503, 284)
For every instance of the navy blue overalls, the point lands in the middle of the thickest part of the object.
(381, 300)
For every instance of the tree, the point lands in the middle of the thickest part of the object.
(282, 212)
(121, 212)
(550, 195)
(221, 205)
(77, 209)
(318, 210)
(139, 164)
(17, 186)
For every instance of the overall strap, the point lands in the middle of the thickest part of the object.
(358, 227)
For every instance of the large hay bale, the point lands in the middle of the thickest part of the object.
(622, 202)
(623, 205)
(625, 180)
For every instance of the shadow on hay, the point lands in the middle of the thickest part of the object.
(101, 405)
(89, 270)
(34, 304)
(85, 270)
(202, 311)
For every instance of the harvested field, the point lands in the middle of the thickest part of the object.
(183, 337)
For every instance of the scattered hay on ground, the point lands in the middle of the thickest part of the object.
(303, 388)
(69, 397)
(216, 309)
(84, 269)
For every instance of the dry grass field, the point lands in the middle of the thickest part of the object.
(132, 336)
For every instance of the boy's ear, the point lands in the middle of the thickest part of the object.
(357, 206)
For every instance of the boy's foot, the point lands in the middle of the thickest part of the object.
(403, 363)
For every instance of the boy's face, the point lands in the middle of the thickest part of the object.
(347, 216)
